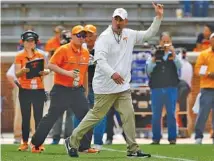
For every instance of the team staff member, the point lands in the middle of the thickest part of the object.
(17, 126)
(54, 42)
(70, 64)
(205, 61)
(99, 129)
(113, 53)
(68, 128)
(31, 91)
(21, 46)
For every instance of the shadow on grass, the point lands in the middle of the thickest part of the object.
(91, 157)
(54, 153)
(102, 158)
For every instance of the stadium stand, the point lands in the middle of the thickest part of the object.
(45, 15)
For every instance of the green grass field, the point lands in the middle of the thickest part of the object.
(114, 153)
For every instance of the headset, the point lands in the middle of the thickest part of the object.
(30, 33)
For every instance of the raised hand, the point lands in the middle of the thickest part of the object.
(158, 9)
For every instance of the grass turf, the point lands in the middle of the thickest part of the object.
(159, 153)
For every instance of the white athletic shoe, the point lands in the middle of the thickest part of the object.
(198, 141)
(98, 147)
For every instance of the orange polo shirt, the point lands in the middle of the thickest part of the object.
(68, 57)
(52, 44)
(205, 58)
(35, 83)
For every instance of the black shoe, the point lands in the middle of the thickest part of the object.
(155, 143)
(108, 142)
(72, 152)
(139, 154)
(172, 142)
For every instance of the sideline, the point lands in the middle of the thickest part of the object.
(155, 156)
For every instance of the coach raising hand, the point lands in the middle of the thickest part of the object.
(113, 55)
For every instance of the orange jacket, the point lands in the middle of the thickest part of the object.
(206, 58)
(52, 44)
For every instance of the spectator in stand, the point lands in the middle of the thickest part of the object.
(195, 8)
(200, 8)
(204, 68)
(187, 12)
(203, 42)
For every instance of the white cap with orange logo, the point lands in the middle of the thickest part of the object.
(120, 12)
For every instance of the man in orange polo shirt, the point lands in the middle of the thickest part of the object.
(70, 64)
(54, 42)
(204, 68)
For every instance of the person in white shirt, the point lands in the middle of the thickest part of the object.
(186, 69)
(184, 88)
(113, 56)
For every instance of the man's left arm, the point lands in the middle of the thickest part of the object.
(153, 29)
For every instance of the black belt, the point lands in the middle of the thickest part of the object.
(74, 88)
(208, 89)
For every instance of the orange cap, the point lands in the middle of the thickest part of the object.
(77, 29)
(90, 28)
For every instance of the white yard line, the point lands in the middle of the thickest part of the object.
(155, 156)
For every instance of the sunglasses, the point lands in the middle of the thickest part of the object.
(81, 35)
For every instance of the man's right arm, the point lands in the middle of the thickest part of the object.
(56, 61)
(57, 69)
(104, 66)
(100, 56)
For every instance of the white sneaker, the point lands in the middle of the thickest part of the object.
(17, 141)
(198, 141)
(98, 147)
